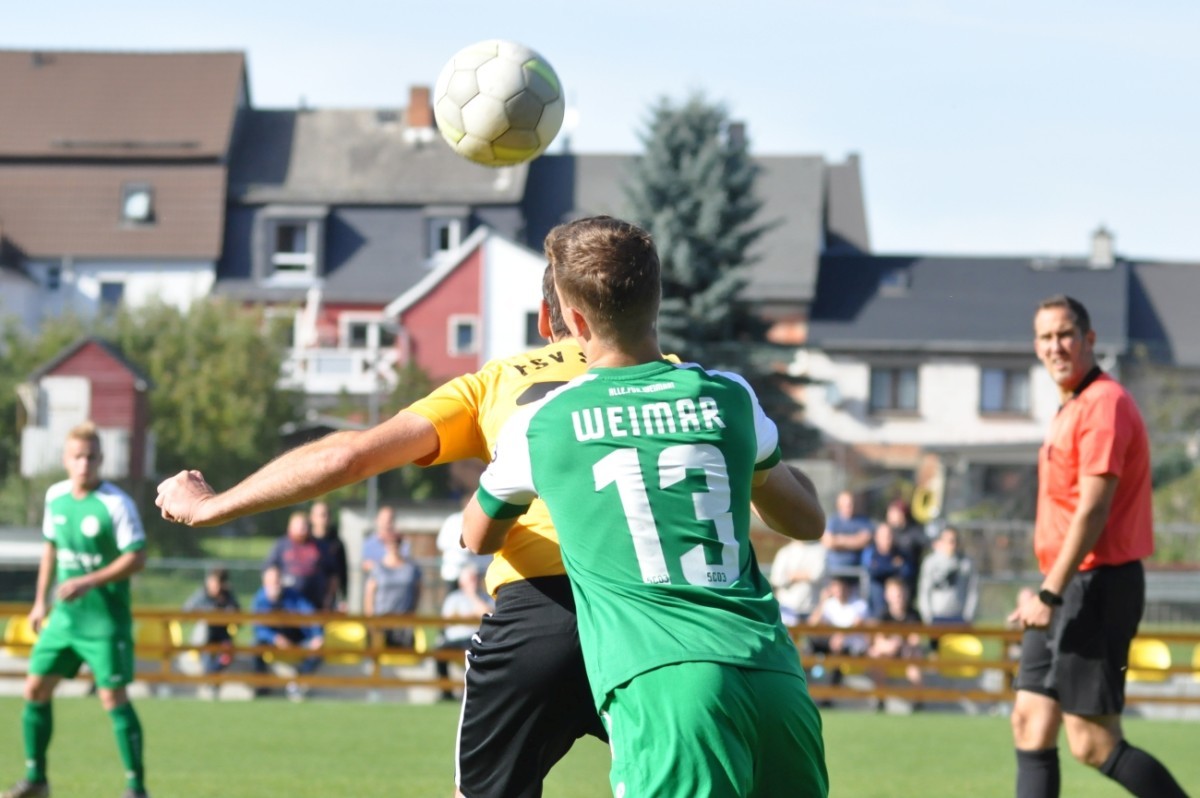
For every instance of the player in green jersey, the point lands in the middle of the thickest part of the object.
(649, 469)
(94, 543)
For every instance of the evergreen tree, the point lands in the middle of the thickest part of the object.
(693, 190)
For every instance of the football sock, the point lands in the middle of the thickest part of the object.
(128, 730)
(1140, 773)
(37, 722)
(1038, 775)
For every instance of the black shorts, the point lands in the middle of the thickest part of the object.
(527, 697)
(1080, 661)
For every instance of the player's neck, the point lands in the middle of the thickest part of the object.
(604, 354)
(82, 489)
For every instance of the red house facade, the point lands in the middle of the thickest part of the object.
(90, 379)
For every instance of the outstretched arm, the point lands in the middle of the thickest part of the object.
(305, 472)
(786, 500)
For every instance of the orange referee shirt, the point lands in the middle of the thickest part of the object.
(1099, 431)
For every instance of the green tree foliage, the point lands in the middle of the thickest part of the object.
(693, 190)
(213, 401)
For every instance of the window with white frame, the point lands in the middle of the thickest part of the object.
(463, 335)
(293, 250)
(365, 331)
(1003, 390)
(445, 234)
(893, 389)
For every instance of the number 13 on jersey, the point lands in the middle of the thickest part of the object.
(622, 468)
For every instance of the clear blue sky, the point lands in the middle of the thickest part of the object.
(989, 126)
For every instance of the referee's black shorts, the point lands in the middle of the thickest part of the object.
(527, 697)
(1080, 661)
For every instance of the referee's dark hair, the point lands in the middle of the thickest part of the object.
(1082, 320)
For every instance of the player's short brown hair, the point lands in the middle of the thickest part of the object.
(558, 327)
(609, 270)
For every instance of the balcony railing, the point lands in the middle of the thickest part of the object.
(331, 371)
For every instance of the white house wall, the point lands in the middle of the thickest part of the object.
(178, 284)
(512, 288)
(948, 406)
(19, 300)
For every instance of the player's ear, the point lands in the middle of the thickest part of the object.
(544, 321)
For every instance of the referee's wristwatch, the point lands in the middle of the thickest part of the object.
(1050, 598)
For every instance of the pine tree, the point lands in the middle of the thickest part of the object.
(693, 190)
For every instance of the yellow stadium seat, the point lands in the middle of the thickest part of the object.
(1196, 663)
(420, 645)
(150, 636)
(19, 636)
(1148, 660)
(344, 642)
(959, 647)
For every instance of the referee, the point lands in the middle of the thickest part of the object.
(1093, 530)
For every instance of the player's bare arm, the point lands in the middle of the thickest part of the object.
(1095, 498)
(303, 473)
(482, 534)
(45, 577)
(786, 500)
(123, 567)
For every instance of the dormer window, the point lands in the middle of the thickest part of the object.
(291, 245)
(445, 228)
(137, 204)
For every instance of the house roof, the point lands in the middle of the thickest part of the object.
(449, 262)
(1163, 311)
(801, 193)
(119, 105)
(358, 156)
(58, 210)
(949, 304)
(73, 348)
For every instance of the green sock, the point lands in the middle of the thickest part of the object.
(128, 730)
(37, 722)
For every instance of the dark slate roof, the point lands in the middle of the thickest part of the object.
(957, 304)
(846, 210)
(1163, 317)
(793, 190)
(361, 156)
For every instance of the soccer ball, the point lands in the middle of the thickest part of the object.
(498, 103)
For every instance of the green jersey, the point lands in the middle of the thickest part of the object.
(647, 474)
(88, 534)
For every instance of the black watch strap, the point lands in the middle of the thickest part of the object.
(1050, 598)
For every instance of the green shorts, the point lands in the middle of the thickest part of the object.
(703, 728)
(60, 653)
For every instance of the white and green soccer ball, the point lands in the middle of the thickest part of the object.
(498, 103)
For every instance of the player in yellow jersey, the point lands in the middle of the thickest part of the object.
(527, 697)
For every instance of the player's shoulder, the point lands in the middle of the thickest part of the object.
(113, 497)
(58, 490)
(559, 356)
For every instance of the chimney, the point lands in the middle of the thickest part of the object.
(420, 111)
(737, 135)
(1102, 256)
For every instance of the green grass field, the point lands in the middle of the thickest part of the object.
(350, 748)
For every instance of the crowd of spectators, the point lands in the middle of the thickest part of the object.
(864, 573)
(307, 572)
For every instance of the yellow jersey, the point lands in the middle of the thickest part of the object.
(469, 411)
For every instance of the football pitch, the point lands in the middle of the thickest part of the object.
(323, 748)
